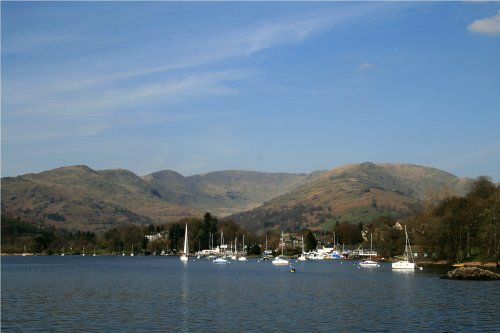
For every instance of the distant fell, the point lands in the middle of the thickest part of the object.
(78, 197)
(223, 192)
(354, 193)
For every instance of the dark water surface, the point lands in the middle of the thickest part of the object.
(162, 294)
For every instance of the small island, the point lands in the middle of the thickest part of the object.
(471, 273)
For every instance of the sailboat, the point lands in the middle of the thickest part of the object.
(408, 262)
(221, 259)
(184, 257)
(303, 255)
(266, 252)
(281, 260)
(369, 263)
(235, 253)
(243, 258)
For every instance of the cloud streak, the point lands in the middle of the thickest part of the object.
(366, 66)
(191, 53)
(489, 25)
(97, 111)
(78, 91)
(139, 82)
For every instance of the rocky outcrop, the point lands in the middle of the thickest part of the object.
(472, 273)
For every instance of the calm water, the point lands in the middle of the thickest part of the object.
(161, 294)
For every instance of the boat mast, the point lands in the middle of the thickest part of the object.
(406, 256)
(282, 243)
(221, 239)
(409, 253)
(186, 248)
(371, 243)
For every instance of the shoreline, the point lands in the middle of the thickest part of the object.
(488, 264)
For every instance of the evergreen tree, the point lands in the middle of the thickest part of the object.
(310, 241)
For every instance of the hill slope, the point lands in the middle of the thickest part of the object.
(224, 192)
(354, 193)
(81, 198)
(78, 197)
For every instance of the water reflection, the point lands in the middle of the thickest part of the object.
(185, 296)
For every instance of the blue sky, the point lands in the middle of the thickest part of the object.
(269, 86)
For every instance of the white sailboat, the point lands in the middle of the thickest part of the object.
(266, 252)
(408, 262)
(369, 263)
(184, 257)
(303, 255)
(243, 258)
(235, 253)
(281, 260)
(221, 259)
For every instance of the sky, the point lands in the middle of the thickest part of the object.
(293, 87)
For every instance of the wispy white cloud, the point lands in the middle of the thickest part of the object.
(106, 100)
(190, 53)
(489, 25)
(366, 66)
(266, 35)
(96, 111)
(90, 94)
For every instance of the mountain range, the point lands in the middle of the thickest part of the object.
(78, 197)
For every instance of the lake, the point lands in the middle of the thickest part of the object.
(162, 294)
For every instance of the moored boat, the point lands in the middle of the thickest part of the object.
(281, 260)
(220, 260)
(369, 263)
(185, 257)
(303, 255)
(407, 261)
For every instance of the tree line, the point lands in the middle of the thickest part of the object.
(19, 236)
(454, 229)
(459, 229)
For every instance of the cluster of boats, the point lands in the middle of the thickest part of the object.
(220, 255)
(406, 262)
